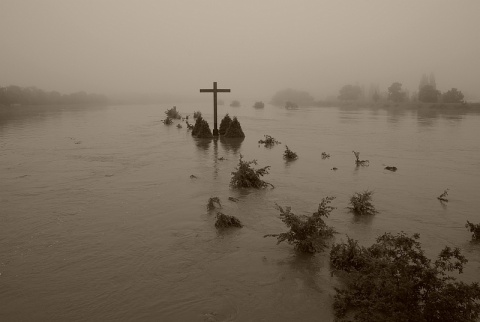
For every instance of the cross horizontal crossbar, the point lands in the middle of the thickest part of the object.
(214, 90)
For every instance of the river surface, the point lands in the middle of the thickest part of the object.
(100, 220)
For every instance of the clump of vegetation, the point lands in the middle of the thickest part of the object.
(362, 203)
(393, 169)
(325, 155)
(289, 154)
(197, 114)
(259, 104)
(359, 162)
(233, 199)
(269, 141)
(225, 124)
(443, 196)
(168, 120)
(474, 229)
(307, 233)
(173, 113)
(247, 177)
(179, 125)
(234, 130)
(393, 280)
(235, 103)
(201, 129)
(213, 202)
(193, 176)
(226, 221)
(290, 105)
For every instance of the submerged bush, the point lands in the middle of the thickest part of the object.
(269, 141)
(173, 113)
(443, 196)
(289, 154)
(259, 104)
(234, 130)
(474, 229)
(201, 129)
(212, 202)
(225, 124)
(197, 114)
(226, 221)
(167, 121)
(359, 162)
(189, 126)
(307, 233)
(393, 280)
(362, 203)
(325, 155)
(247, 177)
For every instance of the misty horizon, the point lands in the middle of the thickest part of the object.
(255, 49)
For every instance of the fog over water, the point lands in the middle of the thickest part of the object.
(253, 47)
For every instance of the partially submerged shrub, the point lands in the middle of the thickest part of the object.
(325, 155)
(233, 199)
(393, 280)
(167, 121)
(359, 162)
(393, 169)
(226, 221)
(201, 129)
(443, 196)
(173, 113)
(234, 130)
(224, 124)
(247, 177)
(197, 114)
(307, 233)
(259, 105)
(213, 202)
(289, 154)
(474, 229)
(179, 125)
(362, 203)
(189, 126)
(269, 141)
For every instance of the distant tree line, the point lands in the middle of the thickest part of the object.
(15, 95)
(427, 93)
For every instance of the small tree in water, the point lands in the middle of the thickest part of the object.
(362, 203)
(269, 141)
(307, 233)
(173, 113)
(393, 280)
(234, 130)
(474, 229)
(247, 177)
(359, 162)
(213, 202)
(225, 124)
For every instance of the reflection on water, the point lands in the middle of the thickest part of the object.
(113, 228)
(231, 144)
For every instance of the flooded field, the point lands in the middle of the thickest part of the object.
(100, 220)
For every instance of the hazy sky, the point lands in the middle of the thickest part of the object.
(253, 47)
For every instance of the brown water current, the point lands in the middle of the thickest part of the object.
(100, 220)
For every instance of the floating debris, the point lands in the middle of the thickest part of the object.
(325, 155)
(221, 159)
(393, 169)
(179, 125)
(359, 162)
(334, 169)
(443, 196)
(193, 176)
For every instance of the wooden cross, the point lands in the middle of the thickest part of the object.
(215, 90)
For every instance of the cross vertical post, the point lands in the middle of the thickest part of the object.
(215, 90)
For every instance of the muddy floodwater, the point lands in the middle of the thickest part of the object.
(101, 221)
